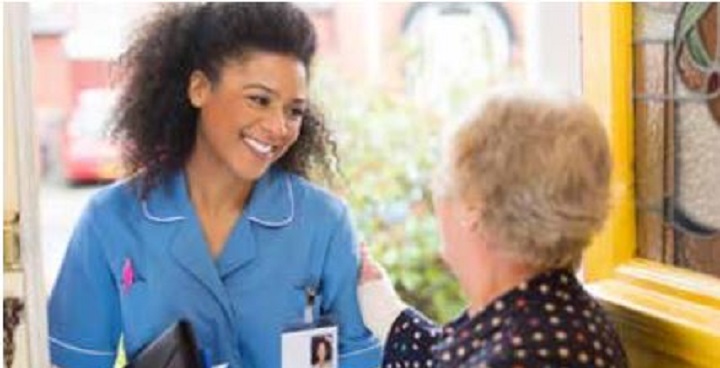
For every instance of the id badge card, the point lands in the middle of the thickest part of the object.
(310, 343)
(310, 346)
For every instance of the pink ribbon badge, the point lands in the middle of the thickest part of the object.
(128, 275)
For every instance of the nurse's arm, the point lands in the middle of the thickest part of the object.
(407, 334)
(380, 305)
(358, 348)
(84, 307)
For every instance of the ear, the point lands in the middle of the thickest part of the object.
(199, 87)
(470, 217)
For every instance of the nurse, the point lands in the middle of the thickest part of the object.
(218, 222)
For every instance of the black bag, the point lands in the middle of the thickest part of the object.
(176, 347)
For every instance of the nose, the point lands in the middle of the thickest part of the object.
(276, 123)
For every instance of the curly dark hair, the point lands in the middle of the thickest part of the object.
(155, 120)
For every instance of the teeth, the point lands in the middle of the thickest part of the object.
(258, 146)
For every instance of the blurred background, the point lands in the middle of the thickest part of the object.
(387, 75)
(390, 77)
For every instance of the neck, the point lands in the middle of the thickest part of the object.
(213, 188)
(499, 275)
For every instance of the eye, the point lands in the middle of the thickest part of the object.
(259, 100)
(297, 112)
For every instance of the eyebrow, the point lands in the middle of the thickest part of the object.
(270, 91)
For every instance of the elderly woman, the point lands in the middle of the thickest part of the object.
(523, 186)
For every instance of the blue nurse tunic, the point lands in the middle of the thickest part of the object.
(134, 267)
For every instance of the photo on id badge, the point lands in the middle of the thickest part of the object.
(310, 348)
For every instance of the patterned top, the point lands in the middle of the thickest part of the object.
(548, 321)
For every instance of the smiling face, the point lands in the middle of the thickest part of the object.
(252, 114)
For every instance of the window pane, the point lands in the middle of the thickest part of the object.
(677, 130)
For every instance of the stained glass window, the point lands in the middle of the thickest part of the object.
(677, 133)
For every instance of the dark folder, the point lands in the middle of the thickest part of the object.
(176, 347)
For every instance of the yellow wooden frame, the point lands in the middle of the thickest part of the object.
(667, 317)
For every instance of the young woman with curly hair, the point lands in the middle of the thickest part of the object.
(218, 222)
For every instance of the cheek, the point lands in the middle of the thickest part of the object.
(222, 109)
(294, 134)
(292, 138)
(218, 123)
(449, 252)
(448, 233)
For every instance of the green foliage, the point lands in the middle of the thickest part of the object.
(388, 148)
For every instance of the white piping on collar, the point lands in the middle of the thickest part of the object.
(76, 349)
(284, 221)
(149, 216)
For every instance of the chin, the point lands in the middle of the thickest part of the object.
(248, 167)
(250, 174)
(447, 259)
(454, 262)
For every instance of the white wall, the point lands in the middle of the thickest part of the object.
(552, 53)
(21, 187)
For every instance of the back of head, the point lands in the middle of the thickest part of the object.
(539, 165)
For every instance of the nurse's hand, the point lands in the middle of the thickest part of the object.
(379, 303)
(369, 268)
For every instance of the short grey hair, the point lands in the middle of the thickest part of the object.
(539, 167)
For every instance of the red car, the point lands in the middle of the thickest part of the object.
(87, 152)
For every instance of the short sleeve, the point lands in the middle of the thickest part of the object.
(83, 312)
(358, 348)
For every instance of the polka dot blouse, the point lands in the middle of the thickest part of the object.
(548, 321)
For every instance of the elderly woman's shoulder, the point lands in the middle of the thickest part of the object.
(555, 322)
